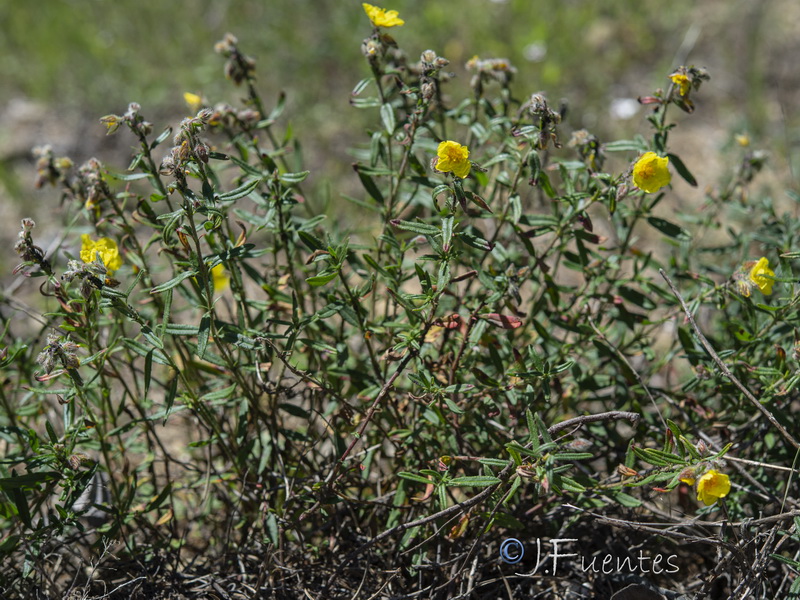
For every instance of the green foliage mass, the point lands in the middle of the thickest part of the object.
(504, 353)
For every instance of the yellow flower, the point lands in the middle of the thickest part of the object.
(193, 101)
(650, 172)
(454, 157)
(219, 278)
(761, 275)
(712, 486)
(743, 140)
(106, 247)
(683, 83)
(381, 17)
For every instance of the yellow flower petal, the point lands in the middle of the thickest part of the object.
(650, 173)
(381, 17)
(193, 101)
(712, 486)
(762, 276)
(453, 157)
(219, 278)
(683, 83)
(105, 247)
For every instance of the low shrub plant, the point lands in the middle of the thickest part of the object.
(513, 331)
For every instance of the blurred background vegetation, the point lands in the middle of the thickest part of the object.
(68, 62)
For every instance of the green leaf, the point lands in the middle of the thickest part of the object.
(626, 146)
(240, 192)
(417, 227)
(321, 279)
(572, 455)
(272, 529)
(361, 86)
(172, 391)
(682, 170)
(27, 480)
(148, 373)
(547, 187)
(22, 507)
(369, 184)
(447, 232)
(453, 406)
(127, 176)
(669, 229)
(414, 477)
(162, 136)
(181, 329)
(173, 282)
(294, 178)
(626, 500)
(474, 481)
(51, 432)
(203, 334)
(159, 500)
(246, 167)
(151, 337)
(387, 116)
(493, 462)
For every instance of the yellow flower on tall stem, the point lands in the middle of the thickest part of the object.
(650, 173)
(219, 278)
(193, 101)
(105, 247)
(453, 157)
(682, 81)
(712, 486)
(762, 276)
(381, 17)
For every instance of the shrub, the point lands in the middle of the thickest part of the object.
(505, 335)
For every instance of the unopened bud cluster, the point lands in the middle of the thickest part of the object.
(92, 276)
(50, 169)
(238, 67)
(188, 145)
(30, 253)
(59, 350)
(548, 119)
(131, 118)
(490, 69)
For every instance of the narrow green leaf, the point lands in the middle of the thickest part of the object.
(387, 116)
(294, 178)
(369, 184)
(572, 455)
(161, 137)
(272, 529)
(148, 372)
(447, 232)
(414, 477)
(241, 191)
(203, 334)
(473, 481)
(51, 432)
(626, 146)
(321, 279)
(669, 229)
(361, 86)
(682, 170)
(173, 282)
(417, 227)
(172, 391)
(453, 406)
(127, 176)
